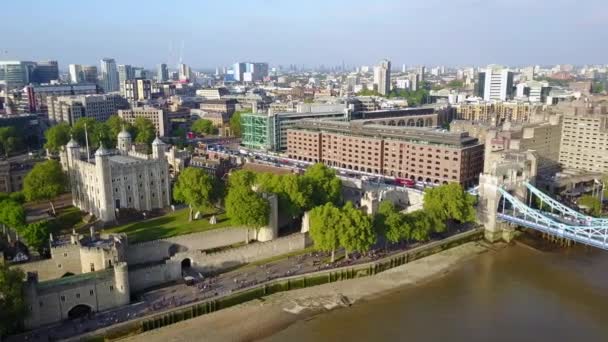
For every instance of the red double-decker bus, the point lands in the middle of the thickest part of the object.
(405, 182)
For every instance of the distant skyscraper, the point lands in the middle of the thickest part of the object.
(75, 73)
(163, 73)
(16, 74)
(495, 83)
(382, 77)
(184, 72)
(109, 75)
(239, 69)
(45, 72)
(125, 72)
(89, 73)
(421, 72)
(403, 68)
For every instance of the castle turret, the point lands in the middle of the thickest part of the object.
(31, 298)
(121, 282)
(105, 208)
(72, 152)
(158, 148)
(124, 141)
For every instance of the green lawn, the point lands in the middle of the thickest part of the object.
(172, 224)
(67, 219)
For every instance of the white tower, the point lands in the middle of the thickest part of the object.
(105, 207)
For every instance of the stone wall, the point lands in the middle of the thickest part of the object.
(146, 277)
(213, 262)
(159, 250)
(65, 259)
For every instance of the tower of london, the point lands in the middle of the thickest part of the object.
(117, 179)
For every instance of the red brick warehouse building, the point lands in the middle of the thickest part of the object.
(417, 153)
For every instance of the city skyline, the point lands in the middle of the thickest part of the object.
(218, 34)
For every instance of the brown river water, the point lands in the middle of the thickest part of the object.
(514, 294)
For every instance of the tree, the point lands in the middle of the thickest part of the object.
(597, 88)
(368, 92)
(45, 182)
(78, 132)
(293, 191)
(12, 214)
(421, 225)
(195, 188)
(204, 126)
(57, 136)
(356, 231)
(592, 204)
(235, 122)
(246, 207)
(326, 187)
(449, 202)
(146, 132)
(9, 140)
(325, 223)
(37, 235)
(14, 308)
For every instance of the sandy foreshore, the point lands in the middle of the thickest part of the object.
(261, 318)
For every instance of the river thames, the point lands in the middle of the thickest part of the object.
(514, 294)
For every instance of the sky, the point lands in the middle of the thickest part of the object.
(309, 32)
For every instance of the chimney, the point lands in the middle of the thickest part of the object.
(92, 230)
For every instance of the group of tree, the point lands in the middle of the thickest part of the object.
(235, 122)
(12, 302)
(245, 203)
(333, 227)
(142, 130)
(204, 126)
(597, 88)
(10, 140)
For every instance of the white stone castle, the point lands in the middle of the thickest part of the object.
(118, 179)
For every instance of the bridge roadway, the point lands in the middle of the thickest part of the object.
(561, 221)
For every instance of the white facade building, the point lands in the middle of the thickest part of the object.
(382, 77)
(496, 83)
(118, 179)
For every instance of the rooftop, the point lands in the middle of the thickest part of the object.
(423, 134)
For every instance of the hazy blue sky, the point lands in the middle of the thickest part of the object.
(311, 32)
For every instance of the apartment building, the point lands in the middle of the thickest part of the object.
(70, 108)
(584, 141)
(497, 112)
(157, 116)
(417, 153)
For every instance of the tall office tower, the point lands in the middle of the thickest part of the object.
(109, 75)
(382, 77)
(75, 73)
(239, 69)
(421, 72)
(125, 72)
(495, 83)
(404, 68)
(45, 72)
(89, 74)
(16, 74)
(184, 72)
(162, 74)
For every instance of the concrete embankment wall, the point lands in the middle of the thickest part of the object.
(278, 285)
(158, 250)
(214, 262)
